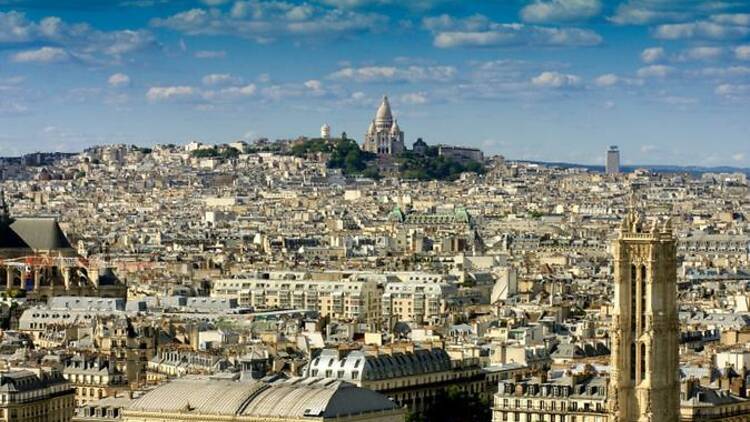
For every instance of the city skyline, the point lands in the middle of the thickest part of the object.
(556, 80)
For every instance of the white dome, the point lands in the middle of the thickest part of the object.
(384, 112)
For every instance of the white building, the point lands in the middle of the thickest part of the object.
(384, 137)
(325, 131)
(340, 295)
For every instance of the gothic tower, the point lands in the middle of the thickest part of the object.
(644, 384)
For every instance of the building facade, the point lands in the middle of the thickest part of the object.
(384, 137)
(26, 396)
(571, 398)
(342, 296)
(645, 381)
(612, 163)
(414, 379)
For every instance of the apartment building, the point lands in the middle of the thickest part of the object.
(35, 395)
(338, 295)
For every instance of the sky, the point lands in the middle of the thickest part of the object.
(668, 81)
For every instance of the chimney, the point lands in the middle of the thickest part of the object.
(543, 377)
(687, 388)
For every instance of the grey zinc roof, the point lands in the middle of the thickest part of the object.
(383, 366)
(312, 397)
(199, 395)
(41, 233)
(298, 397)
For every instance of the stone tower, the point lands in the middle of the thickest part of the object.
(644, 384)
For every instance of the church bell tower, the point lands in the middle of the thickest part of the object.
(644, 384)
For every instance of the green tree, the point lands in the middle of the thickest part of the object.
(454, 405)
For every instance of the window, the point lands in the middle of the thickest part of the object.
(633, 293)
(643, 298)
(643, 362)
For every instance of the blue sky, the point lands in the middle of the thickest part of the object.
(558, 80)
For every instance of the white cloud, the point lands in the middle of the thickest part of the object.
(10, 107)
(79, 40)
(701, 53)
(415, 5)
(167, 93)
(739, 19)
(638, 13)
(315, 86)
(119, 80)
(608, 79)
(210, 54)
(648, 12)
(516, 34)
(395, 74)
(732, 91)
(416, 98)
(738, 156)
(230, 93)
(478, 31)
(677, 100)
(655, 71)
(214, 79)
(265, 22)
(652, 55)
(723, 72)
(742, 52)
(555, 80)
(560, 10)
(41, 55)
(704, 30)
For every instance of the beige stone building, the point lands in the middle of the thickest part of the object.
(339, 295)
(414, 379)
(419, 301)
(94, 377)
(35, 396)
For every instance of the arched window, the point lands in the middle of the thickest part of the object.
(633, 294)
(643, 362)
(644, 297)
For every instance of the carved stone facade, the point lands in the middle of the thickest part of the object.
(384, 137)
(645, 381)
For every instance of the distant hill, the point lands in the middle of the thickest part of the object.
(654, 168)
